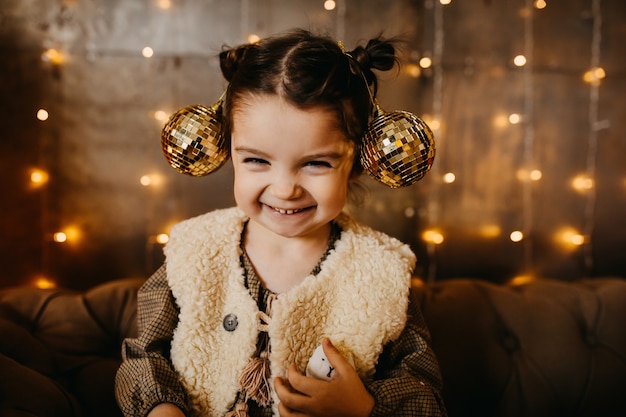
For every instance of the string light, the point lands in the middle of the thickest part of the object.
(70, 234)
(53, 56)
(449, 177)
(38, 178)
(540, 4)
(594, 76)
(164, 4)
(490, 231)
(162, 238)
(42, 114)
(528, 134)
(433, 236)
(147, 52)
(569, 238)
(413, 70)
(60, 237)
(435, 124)
(253, 38)
(514, 118)
(160, 115)
(535, 175)
(582, 183)
(500, 121)
(592, 143)
(330, 5)
(409, 212)
(145, 180)
(425, 62)
(516, 236)
(44, 283)
(519, 61)
(521, 280)
(524, 175)
(151, 180)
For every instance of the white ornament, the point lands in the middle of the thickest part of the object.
(319, 366)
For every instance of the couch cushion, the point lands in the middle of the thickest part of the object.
(546, 348)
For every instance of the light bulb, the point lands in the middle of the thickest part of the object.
(42, 114)
(330, 5)
(147, 52)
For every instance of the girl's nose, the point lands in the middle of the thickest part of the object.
(286, 189)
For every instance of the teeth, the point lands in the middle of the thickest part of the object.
(282, 211)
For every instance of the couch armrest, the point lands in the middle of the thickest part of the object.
(66, 344)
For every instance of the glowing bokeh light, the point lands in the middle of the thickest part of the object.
(53, 56)
(160, 115)
(147, 52)
(38, 177)
(164, 4)
(42, 114)
(490, 231)
(582, 183)
(330, 5)
(44, 283)
(449, 177)
(514, 118)
(60, 237)
(516, 236)
(433, 236)
(569, 238)
(519, 60)
(413, 70)
(162, 238)
(425, 62)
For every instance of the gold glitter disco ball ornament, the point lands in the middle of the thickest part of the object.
(192, 140)
(398, 148)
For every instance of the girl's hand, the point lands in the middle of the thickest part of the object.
(166, 410)
(344, 395)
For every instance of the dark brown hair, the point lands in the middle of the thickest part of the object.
(309, 71)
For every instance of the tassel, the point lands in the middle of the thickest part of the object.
(241, 410)
(255, 380)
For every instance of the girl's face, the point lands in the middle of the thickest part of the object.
(292, 166)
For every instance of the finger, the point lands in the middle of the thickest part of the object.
(291, 401)
(336, 359)
(280, 387)
(303, 384)
(284, 411)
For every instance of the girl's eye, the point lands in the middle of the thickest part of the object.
(255, 161)
(319, 164)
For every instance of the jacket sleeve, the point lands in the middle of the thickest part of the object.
(146, 377)
(408, 380)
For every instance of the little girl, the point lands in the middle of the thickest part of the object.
(247, 294)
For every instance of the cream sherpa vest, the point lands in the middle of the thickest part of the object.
(358, 300)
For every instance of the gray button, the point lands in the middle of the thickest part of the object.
(230, 322)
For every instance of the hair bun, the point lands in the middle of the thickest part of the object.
(230, 59)
(378, 54)
(362, 57)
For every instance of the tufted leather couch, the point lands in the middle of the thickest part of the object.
(545, 348)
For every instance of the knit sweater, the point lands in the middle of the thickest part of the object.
(358, 300)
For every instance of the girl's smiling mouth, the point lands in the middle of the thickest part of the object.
(288, 211)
